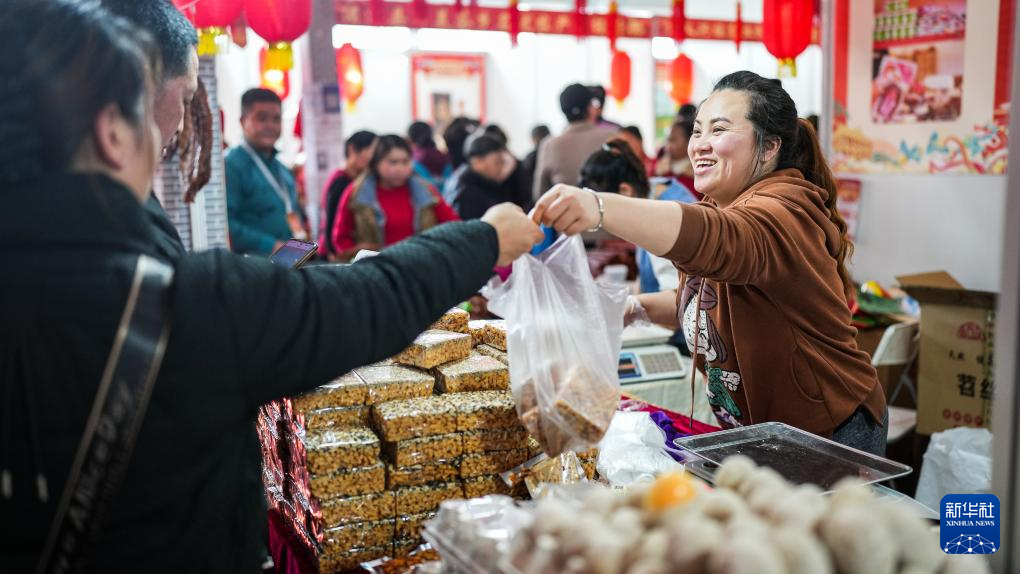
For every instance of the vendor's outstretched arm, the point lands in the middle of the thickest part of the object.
(653, 225)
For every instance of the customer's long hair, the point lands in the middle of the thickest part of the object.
(773, 114)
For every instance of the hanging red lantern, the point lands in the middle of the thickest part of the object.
(738, 34)
(279, 22)
(212, 18)
(681, 76)
(612, 21)
(679, 21)
(515, 21)
(276, 80)
(580, 27)
(349, 74)
(786, 31)
(619, 76)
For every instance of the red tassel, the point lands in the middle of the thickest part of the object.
(515, 22)
(611, 23)
(739, 28)
(377, 8)
(580, 28)
(420, 10)
(679, 21)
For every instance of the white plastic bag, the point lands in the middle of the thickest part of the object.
(958, 461)
(564, 334)
(632, 453)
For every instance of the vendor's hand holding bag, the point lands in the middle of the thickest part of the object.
(564, 335)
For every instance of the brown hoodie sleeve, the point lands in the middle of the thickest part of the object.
(750, 242)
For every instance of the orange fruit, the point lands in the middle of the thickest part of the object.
(670, 490)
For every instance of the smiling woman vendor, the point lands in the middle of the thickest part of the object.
(764, 286)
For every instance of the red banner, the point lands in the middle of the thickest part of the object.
(359, 13)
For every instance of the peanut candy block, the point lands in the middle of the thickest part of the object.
(493, 352)
(495, 439)
(358, 535)
(441, 471)
(455, 320)
(426, 498)
(347, 391)
(409, 526)
(495, 334)
(349, 482)
(336, 418)
(472, 465)
(338, 562)
(394, 382)
(402, 420)
(434, 348)
(364, 508)
(475, 373)
(332, 450)
(485, 485)
(484, 410)
(424, 449)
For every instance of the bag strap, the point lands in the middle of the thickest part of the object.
(116, 417)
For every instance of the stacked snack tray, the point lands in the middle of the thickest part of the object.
(426, 498)
(365, 508)
(423, 449)
(455, 320)
(439, 471)
(409, 526)
(343, 538)
(349, 482)
(404, 546)
(434, 348)
(426, 416)
(395, 382)
(484, 410)
(485, 485)
(475, 373)
(495, 462)
(336, 417)
(588, 460)
(484, 440)
(493, 352)
(347, 391)
(331, 450)
(337, 562)
(495, 335)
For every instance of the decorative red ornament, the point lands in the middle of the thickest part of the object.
(212, 18)
(239, 31)
(612, 21)
(681, 76)
(679, 21)
(378, 10)
(279, 22)
(276, 80)
(515, 22)
(786, 31)
(580, 18)
(349, 74)
(739, 28)
(420, 10)
(619, 76)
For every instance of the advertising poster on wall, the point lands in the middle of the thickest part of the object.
(921, 113)
(444, 87)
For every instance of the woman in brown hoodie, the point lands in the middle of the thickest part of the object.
(764, 286)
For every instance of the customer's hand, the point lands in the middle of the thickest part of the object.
(517, 234)
(567, 209)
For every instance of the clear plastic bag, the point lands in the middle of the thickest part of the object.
(564, 334)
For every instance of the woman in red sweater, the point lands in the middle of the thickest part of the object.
(388, 203)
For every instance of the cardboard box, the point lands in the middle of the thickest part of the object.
(955, 378)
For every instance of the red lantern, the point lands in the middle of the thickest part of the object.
(679, 21)
(276, 80)
(349, 73)
(279, 22)
(619, 76)
(212, 18)
(739, 29)
(786, 31)
(611, 23)
(681, 75)
(515, 22)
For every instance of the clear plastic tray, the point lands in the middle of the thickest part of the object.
(799, 456)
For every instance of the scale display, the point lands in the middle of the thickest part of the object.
(652, 363)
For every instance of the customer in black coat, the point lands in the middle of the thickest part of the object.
(243, 331)
(491, 176)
